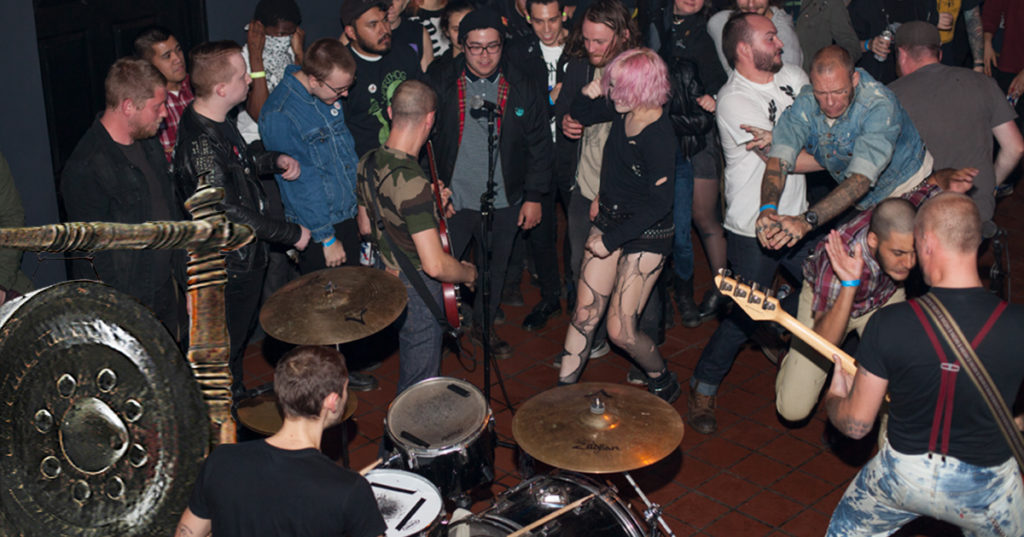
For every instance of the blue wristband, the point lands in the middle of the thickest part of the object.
(329, 242)
(767, 206)
(850, 283)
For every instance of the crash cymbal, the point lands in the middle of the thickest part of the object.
(334, 306)
(261, 413)
(597, 427)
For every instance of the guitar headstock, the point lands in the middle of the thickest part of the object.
(756, 303)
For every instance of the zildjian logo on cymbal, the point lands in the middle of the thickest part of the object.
(594, 446)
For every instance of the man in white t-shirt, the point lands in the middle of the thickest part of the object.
(792, 54)
(759, 89)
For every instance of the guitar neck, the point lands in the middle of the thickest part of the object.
(817, 341)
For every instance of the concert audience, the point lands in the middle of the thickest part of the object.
(158, 46)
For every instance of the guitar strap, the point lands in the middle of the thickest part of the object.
(969, 362)
(404, 263)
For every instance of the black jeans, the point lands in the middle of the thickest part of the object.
(241, 307)
(466, 225)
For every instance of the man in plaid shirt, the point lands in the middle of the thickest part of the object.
(159, 47)
(858, 269)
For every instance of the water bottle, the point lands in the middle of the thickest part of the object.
(886, 35)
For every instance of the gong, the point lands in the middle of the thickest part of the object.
(102, 426)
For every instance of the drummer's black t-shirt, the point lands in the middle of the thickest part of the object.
(254, 489)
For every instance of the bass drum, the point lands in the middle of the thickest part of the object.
(605, 515)
(102, 426)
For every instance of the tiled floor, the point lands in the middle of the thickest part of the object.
(753, 477)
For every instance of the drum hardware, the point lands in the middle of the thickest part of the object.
(334, 306)
(653, 511)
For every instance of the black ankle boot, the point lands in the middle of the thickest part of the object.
(713, 305)
(666, 386)
(689, 313)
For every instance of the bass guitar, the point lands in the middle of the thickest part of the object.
(449, 291)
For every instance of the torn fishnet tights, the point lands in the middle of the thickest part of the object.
(622, 284)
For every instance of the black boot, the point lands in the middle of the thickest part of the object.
(666, 386)
(689, 313)
(713, 305)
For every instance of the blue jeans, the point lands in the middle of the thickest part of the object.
(893, 489)
(682, 212)
(751, 262)
(420, 335)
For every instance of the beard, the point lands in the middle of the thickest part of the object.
(770, 62)
(382, 46)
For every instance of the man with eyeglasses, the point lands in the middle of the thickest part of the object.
(856, 129)
(303, 118)
(381, 69)
(474, 82)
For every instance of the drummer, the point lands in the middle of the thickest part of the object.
(284, 485)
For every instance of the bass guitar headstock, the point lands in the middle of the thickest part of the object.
(758, 304)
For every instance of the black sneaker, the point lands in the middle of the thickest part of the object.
(361, 382)
(538, 318)
(714, 304)
(666, 386)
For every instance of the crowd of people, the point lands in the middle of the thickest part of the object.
(850, 144)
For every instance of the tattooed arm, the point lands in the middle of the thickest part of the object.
(785, 231)
(842, 197)
(853, 402)
(772, 183)
(972, 20)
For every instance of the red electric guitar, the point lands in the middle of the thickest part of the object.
(450, 291)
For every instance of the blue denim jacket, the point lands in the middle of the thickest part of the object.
(874, 138)
(297, 123)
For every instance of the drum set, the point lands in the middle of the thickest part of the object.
(443, 436)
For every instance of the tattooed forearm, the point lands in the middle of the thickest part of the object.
(842, 197)
(972, 20)
(847, 425)
(773, 181)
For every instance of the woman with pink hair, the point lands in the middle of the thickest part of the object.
(632, 215)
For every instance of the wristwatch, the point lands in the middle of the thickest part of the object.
(811, 218)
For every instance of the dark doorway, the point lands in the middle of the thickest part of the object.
(79, 40)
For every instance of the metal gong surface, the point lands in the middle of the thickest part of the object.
(102, 426)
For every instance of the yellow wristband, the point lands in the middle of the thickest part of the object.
(258, 74)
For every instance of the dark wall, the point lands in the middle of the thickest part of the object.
(226, 18)
(23, 136)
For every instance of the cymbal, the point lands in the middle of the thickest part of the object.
(261, 413)
(334, 306)
(597, 428)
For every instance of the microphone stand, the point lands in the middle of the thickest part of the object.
(487, 224)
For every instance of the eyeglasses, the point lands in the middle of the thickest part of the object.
(491, 48)
(338, 91)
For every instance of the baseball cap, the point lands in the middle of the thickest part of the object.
(351, 10)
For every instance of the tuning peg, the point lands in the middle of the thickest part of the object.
(724, 272)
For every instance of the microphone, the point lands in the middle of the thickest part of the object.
(480, 107)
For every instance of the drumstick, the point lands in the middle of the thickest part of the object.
(550, 516)
(372, 465)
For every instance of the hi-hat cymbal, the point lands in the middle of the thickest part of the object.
(261, 413)
(597, 427)
(334, 306)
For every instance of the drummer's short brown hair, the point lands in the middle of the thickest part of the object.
(305, 377)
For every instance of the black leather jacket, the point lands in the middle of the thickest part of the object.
(689, 120)
(204, 145)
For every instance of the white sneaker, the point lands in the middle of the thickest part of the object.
(600, 349)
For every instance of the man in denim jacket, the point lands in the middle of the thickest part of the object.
(856, 129)
(303, 118)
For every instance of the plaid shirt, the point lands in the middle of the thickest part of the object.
(176, 105)
(876, 287)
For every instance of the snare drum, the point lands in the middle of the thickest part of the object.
(410, 504)
(605, 515)
(443, 429)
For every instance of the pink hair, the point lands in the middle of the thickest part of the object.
(637, 78)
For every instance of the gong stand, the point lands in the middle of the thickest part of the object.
(206, 237)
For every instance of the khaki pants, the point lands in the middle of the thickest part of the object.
(803, 370)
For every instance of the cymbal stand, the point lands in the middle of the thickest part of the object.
(653, 511)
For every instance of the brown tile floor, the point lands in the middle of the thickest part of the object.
(753, 477)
